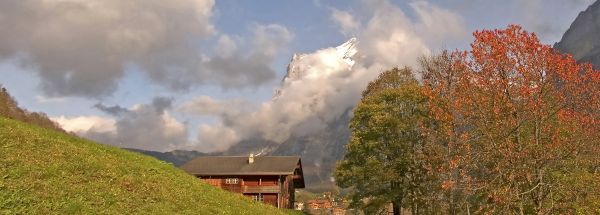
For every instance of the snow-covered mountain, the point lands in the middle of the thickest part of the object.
(301, 65)
(300, 68)
(321, 148)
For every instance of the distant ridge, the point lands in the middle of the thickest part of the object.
(582, 39)
(176, 157)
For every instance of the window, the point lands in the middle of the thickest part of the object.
(259, 198)
(231, 181)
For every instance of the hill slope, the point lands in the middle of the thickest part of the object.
(9, 108)
(44, 171)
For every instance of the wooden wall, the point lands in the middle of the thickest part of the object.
(285, 184)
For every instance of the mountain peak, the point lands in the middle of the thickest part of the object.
(581, 39)
(347, 50)
(344, 52)
(332, 58)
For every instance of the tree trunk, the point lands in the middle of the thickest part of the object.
(397, 200)
(397, 206)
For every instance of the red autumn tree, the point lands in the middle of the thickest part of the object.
(516, 126)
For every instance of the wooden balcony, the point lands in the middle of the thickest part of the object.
(252, 189)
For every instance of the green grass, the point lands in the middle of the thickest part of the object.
(46, 172)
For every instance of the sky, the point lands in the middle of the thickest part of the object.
(202, 74)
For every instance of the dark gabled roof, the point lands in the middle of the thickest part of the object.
(238, 165)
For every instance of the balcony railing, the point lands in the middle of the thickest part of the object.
(252, 189)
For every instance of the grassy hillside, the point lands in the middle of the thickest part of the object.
(43, 171)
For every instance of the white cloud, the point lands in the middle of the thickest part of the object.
(82, 48)
(549, 19)
(235, 69)
(226, 46)
(216, 138)
(437, 25)
(347, 23)
(143, 126)
(148, 126)
(82, 124)
(44, 99)
(172, 127)
(391, 38)
(322, 86)
(207, 106)
(271, 38)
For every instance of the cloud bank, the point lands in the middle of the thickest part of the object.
(83, 47)
(146, 126)
(346, 22)
(321, 87)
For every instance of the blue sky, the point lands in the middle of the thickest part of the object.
(44, 60)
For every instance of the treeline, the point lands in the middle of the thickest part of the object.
(508, 127)
(9, 108)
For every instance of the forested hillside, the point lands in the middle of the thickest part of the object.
(9, 108)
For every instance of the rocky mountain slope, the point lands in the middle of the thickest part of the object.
(582, 39)
(320, 150)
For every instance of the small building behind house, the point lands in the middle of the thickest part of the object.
(339, 211)
(268, 179)
(317, 204)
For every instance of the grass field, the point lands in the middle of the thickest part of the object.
(46, 172)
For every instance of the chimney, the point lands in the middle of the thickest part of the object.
(251, 158)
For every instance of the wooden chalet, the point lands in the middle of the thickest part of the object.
(269, 179)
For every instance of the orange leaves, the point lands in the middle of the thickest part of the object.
(447, 185)
(453, 163)
(510, 111)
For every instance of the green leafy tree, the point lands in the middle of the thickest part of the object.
(384, 159)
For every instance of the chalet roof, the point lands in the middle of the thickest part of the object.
(238, 165)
